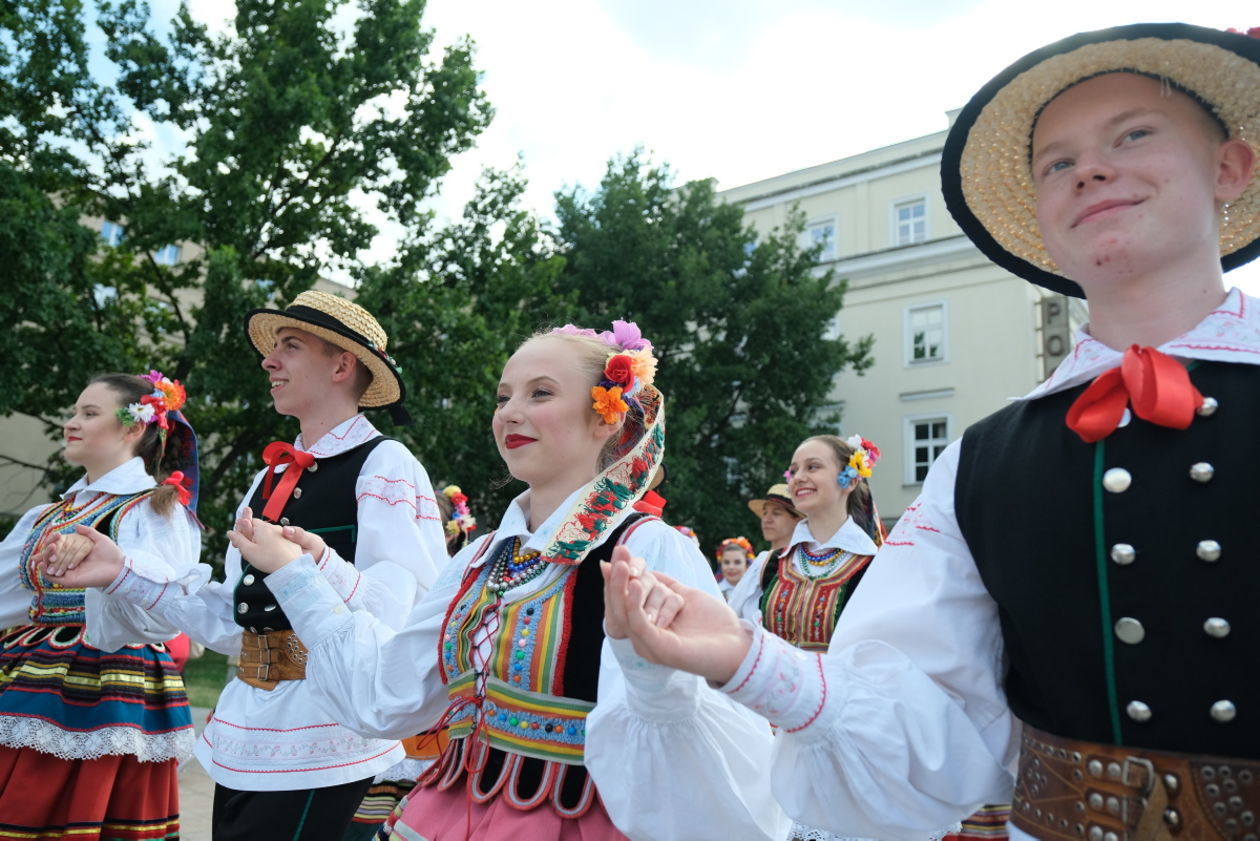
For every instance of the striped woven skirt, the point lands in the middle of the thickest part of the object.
(89, 739)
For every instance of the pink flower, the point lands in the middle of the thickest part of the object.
(574, 330)
(625, 335)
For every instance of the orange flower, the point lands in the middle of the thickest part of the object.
(642, 365)
(172, 392)
(608, 403)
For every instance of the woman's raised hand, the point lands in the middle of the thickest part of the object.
(671, 623)
(86, 558)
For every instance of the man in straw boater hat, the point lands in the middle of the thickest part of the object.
(1073, 594)
(778, 517)
(282, 768)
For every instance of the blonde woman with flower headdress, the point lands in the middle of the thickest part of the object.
(93, 715)
(558, 730)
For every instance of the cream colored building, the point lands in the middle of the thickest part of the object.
(25, 440)
(955, 336)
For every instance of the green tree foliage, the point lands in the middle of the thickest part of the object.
(740, 325)
(294, 132)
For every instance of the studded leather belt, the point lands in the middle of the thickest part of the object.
(267, 659)
(1069, 790)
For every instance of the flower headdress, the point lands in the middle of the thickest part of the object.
(865, 456)
(462, 519)
(167, 396)
(740, 542)
(628, 369)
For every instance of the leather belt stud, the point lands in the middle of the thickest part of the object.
(1070, 790)
(268, 658)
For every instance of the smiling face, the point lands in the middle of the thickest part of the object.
(812, 479)
(544, 426)
(734, 564)
(300, 369)
(1128, 178)
(94, 437)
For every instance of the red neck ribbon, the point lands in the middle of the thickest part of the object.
(1157, 386)
(177, 479)
(275, 454)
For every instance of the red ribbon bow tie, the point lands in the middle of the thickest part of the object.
(177, 479)
(1157, 386)
(274, 455)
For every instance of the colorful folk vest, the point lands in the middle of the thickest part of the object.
(53, 605)
(802, 608)
(324, 503)
(520, 731)
(1125, 571)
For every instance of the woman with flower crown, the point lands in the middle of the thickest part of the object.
(93, 715)
(558, 730)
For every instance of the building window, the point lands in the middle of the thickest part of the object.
(925, 333)
(112, 234)
(822, 232)
(167, 255)
(909, 222)
(926, 438)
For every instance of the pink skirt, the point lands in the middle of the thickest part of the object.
(430, 814)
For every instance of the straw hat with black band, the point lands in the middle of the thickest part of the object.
(778, 493)
(346, 325)
(985, 168)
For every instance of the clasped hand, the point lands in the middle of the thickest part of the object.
(268, 547)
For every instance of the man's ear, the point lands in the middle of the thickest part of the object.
(346, 365)
(1236, 164)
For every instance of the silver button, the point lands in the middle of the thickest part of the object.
(242, 608)
(1224, 711)
(314, 466)
(1201, 471)
(1208, 550)
(247, 580)
(284, 521)
(268, 608)
(1117, 480)
(1208, 407)
(1095, 768)
(1130, 630)
(1113, 805)
(1095, 801)
(1138, 711)
(1217, 627)
(1123, 554)
(297, 493)
(1125, 418)
(1111, 836)
(1095, 833)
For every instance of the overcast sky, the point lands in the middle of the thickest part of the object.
(740, 90)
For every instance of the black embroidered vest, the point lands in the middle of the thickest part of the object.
(323, 503)
(1128, 609)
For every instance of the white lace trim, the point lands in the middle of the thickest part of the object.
(800, 832)
(45, 737)
(405, 770)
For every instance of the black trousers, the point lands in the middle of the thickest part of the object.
(313, 814)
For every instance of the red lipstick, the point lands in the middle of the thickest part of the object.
(513, 441)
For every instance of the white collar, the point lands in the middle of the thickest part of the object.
(346, 435)
(515, 523)
(127, 478)
(1230, 333)
(848, 537)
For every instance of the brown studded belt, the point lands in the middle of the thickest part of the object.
(267, 659)
(1070, 790)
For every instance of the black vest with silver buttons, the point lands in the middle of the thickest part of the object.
(1126, 572)
(324, 502)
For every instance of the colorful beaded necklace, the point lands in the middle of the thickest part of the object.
(512, 569)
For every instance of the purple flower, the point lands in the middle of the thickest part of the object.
(626, 335)
(574, 330)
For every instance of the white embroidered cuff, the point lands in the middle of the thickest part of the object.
(655, 692)
(780, 682)
(312, 605)
(133, 586)
(343, 577)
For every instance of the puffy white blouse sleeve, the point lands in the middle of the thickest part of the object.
(902, 727)
(745, 599)
(15, 600)
(166, 547)
(673, 759)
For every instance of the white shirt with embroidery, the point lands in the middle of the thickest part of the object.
(168, 546)
(673, 759)
(279, 740)
(903, 726)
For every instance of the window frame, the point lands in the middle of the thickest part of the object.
(895, 223)
(908, 333)
(909, 422)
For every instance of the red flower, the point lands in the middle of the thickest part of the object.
(1253, 32)
(620, 370)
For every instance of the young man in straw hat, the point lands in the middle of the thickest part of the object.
(282, 768)
(778, 520)
(1073, 594)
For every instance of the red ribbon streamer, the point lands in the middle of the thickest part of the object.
(276, 454)
(177, 479)
(1157, 386)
